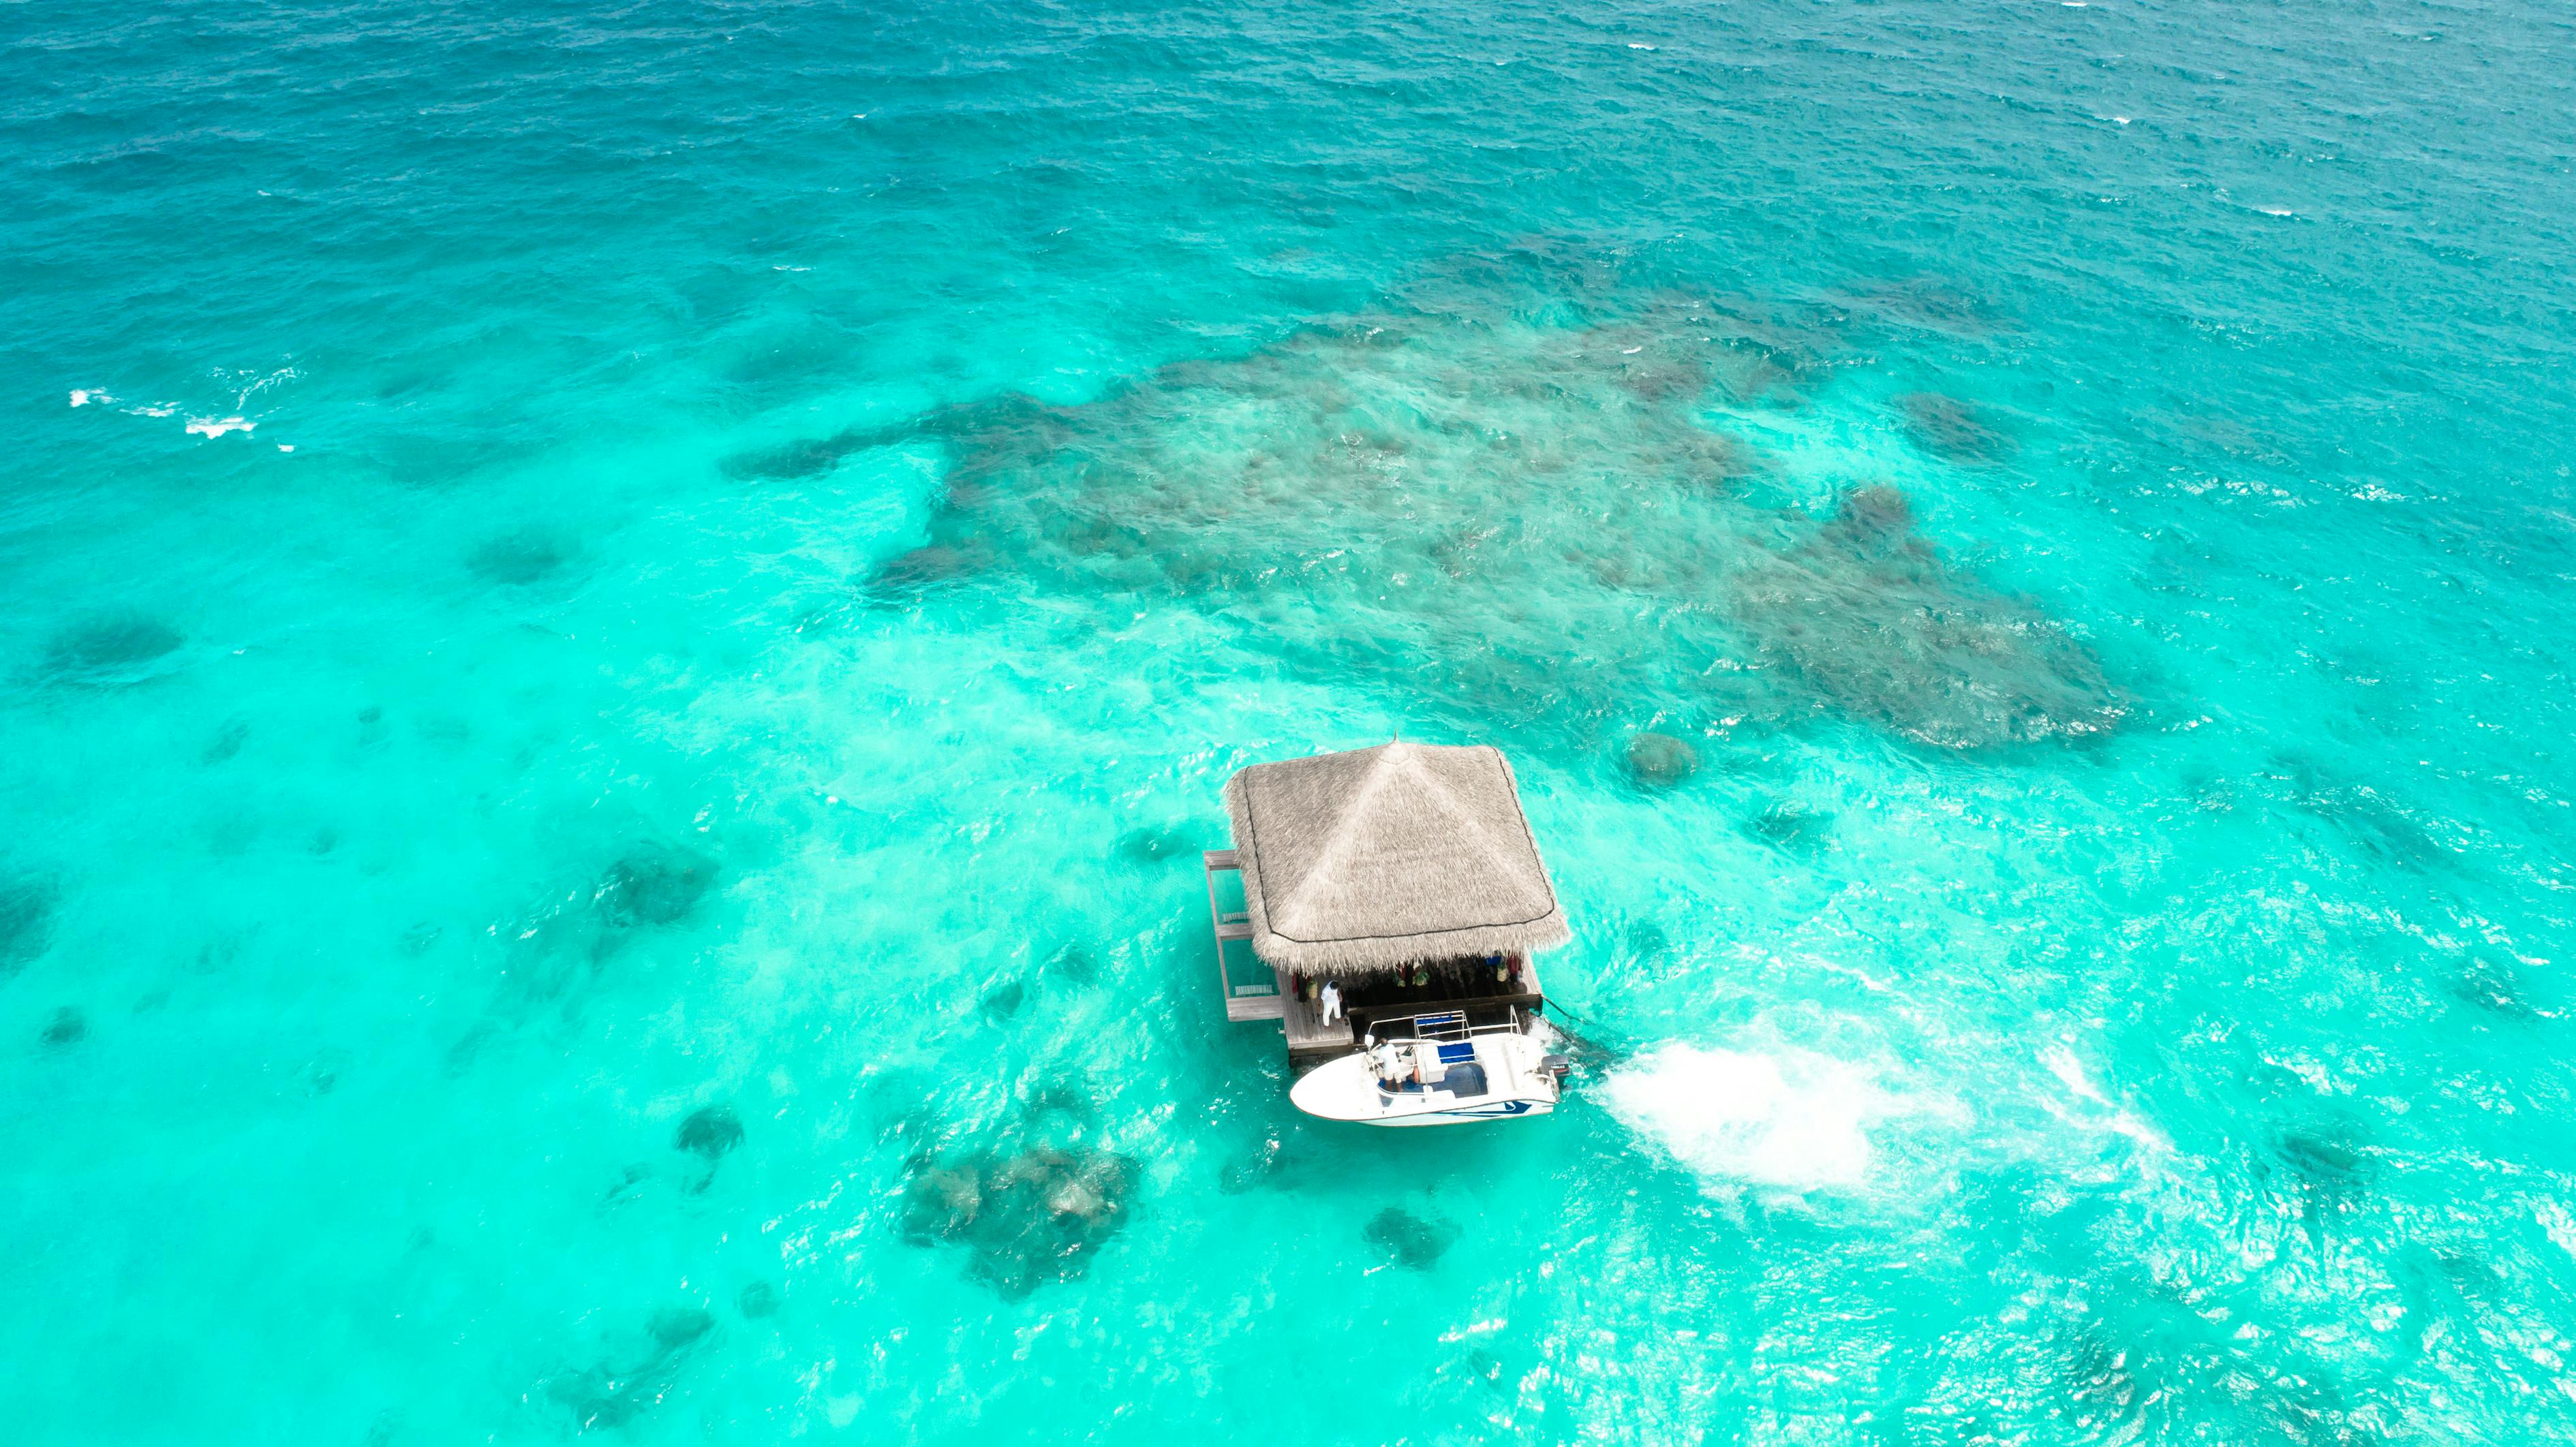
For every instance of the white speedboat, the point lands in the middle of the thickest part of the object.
(1438, 1070)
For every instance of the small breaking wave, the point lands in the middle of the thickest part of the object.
(217, 426)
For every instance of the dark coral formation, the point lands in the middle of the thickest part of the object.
(1952, 430)
(1792, 828)
(2322, 1167)
(1659, 761)
(227, 742)
(1255, 1166)
(2375, 824)
(1004, 999)
(1414, 1242)
(26, 922)
(653, 884)
(1508, 513)
(637, 1375)
(562, 945)
(1027, 1217)
(2495, 986)
(1074, 965)
(1872, 618)
(518, 559)
(111, 649)
(710, 1133)
(1153, 846)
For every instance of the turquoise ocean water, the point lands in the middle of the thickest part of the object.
(621, 623)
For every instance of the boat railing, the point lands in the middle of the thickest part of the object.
(1446, 1025)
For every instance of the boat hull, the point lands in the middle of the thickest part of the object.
(1492, 1077)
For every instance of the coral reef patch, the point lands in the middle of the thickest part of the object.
(1029, 1211)
(1499, 519)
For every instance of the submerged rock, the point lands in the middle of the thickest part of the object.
(630, 1183)
(1648, 940)
(1004, 999)
(1031, 1218)
(68, 1027)
(1659, 761)
(678, 1327)
(759, 1299)
(26, 922)
(1073, 963)
(1153, 846)
(1253, 1167)
(226, 743)
(2322, 1167)
(2493, 986)
(905, 577)
(711, 1133)
(638, 1375)
(653, 885)
(1789, 827)
(517, 559)
(2381, 828)
(111, 650)
(1411, 1241)
(1951, 429)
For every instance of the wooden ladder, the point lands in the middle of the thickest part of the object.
(1261, 1000)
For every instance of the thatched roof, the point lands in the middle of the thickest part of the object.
(1356, 863)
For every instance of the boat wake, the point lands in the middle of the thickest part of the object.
(1794, 1120)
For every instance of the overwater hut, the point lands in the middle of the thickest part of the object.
(1384, 881)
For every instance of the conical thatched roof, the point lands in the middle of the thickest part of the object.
(1359, 862)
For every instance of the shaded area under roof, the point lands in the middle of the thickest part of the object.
(1363, 861)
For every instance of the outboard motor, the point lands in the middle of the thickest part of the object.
(1556, 1068)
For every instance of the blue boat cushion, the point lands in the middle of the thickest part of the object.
(1452, 1054)
(1464, 1080)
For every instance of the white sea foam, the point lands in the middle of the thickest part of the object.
(248, 383)
(1796, 1119)
(2061, 1062)
(83, 396)
(217, 426)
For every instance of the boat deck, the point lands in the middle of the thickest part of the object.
(1310, 1040)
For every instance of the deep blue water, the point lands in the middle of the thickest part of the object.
(621, 623)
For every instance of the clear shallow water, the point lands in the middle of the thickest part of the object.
(792, 513)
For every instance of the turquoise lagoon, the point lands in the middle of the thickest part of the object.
(621, 623)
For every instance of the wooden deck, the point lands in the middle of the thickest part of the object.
(1309, 1038)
